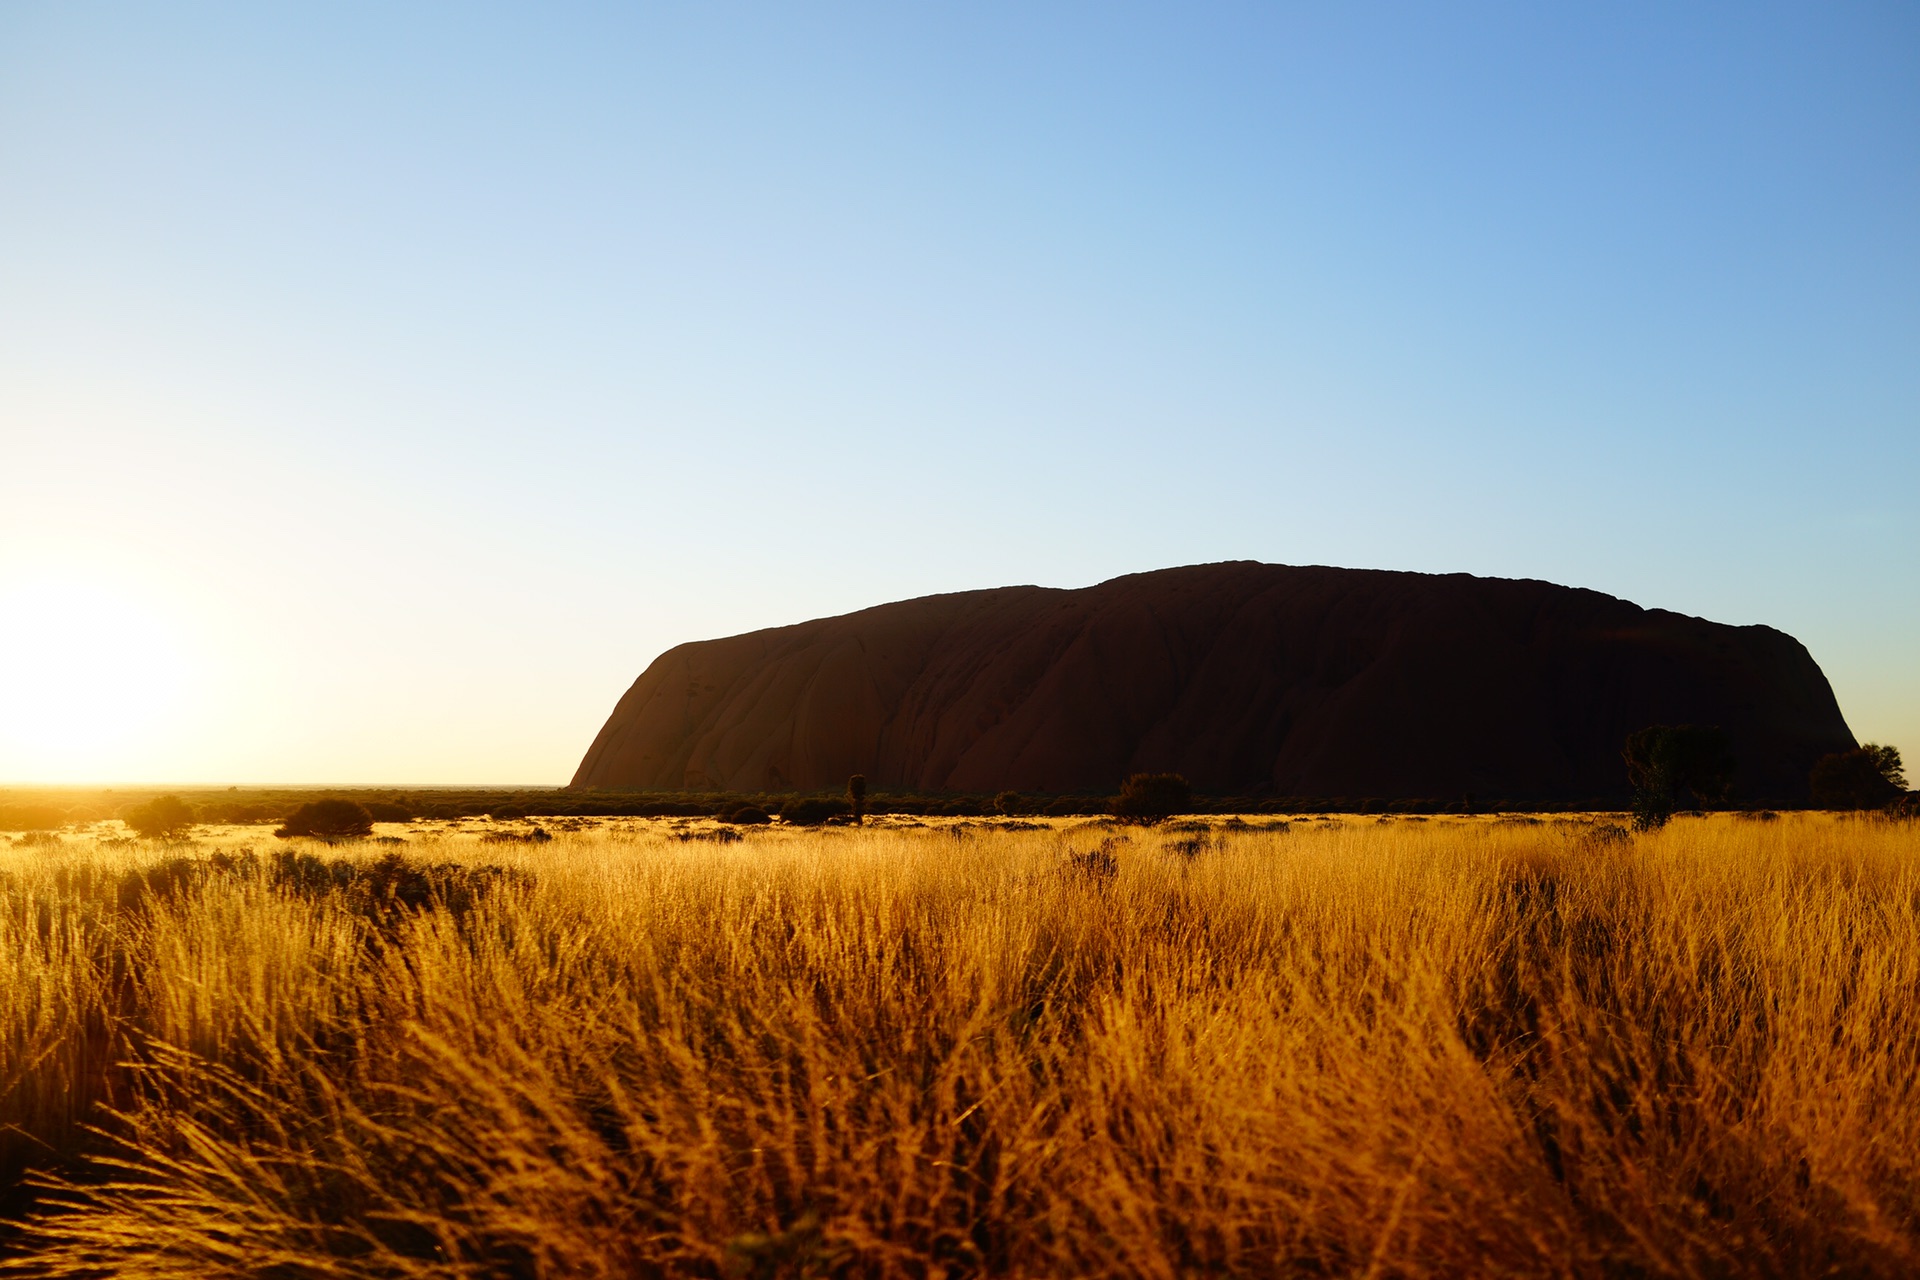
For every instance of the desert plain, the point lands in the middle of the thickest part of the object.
(1313, 1045)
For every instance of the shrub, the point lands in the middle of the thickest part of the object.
(30, 817)
(1604, 837)
(748, 815)
(1864, 778)
(812, 811)
(238, 814)
(714, 835)
(160, 817)
(1009, 803)
(857, 796)
(389, 889)
(1149, 797)
(1192, 846)
(387, 811)
(535, 835)
(1664, 760)
(329, 819)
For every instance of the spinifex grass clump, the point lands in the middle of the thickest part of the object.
(1436, 1049)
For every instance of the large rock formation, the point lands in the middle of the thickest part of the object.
(1247, 678)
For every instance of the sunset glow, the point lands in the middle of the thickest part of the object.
(92, 676)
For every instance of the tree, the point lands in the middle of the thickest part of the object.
(1891, 768)
(329, 819)
(1009, 803)
(1864, 778)
(857, 795)
(160, 818)
(1149, 797)
(1664, 760)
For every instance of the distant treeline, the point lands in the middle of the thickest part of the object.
(1668, 767)
(25, 809)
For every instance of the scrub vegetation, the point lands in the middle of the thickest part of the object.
(1321, 1046)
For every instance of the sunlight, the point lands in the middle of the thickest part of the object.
(88, 670)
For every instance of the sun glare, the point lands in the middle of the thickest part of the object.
(91, 676)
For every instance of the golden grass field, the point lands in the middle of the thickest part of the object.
(1336, 1047)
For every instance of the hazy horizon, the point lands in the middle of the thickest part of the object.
(142, 784)
(381, 391)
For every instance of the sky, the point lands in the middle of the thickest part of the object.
(383, 387)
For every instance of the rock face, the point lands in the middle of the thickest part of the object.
(1248, 678)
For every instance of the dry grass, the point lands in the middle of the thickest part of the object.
(1357, 1048)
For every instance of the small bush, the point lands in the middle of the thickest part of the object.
(392, 887)
(1665, 760)
(748, 815)
(1010, 803)
(713, 835)
(1191, 846)
(387, 811)
(30, 817)
(329, 819)
(1149, 797)
(811, 812)
(159, 818)
(1604, 837)
(537, 835)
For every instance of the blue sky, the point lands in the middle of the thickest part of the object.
(382, 388)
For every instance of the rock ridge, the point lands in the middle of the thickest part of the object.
(1248, 678)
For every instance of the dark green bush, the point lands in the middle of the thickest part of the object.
(1865, 778)
(239, 814)
(811, 811)
(31, 817)
(1664, 761)
(1149, 797)
(535, 835)
(387, 889)
(160, 817)
(748, 815)
(329, 819)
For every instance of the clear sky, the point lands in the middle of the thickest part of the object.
(383, 386)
